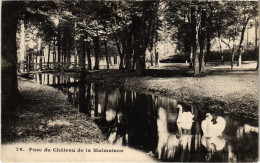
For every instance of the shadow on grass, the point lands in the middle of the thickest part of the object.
(189, 72)
(168, 73)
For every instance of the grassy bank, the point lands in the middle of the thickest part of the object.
(45, 116)
(226, 92)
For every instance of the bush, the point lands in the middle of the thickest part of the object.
(247, 55)
(178, 58)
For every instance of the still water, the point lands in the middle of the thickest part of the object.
(149, 123)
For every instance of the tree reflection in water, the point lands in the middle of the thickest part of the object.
(149, 123)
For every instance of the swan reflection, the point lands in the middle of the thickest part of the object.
(212, 145)
(185, 135)
(168, 142)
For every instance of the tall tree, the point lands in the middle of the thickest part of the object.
(142, 23)
(10, 14)
(236, 21)
(248, 10)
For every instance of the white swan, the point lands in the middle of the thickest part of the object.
(220, 126)
(206, 125)
(213, 130)
(185, 117)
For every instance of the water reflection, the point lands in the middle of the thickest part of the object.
(150, 123)
(51, 79)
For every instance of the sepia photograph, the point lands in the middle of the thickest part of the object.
(129, 81)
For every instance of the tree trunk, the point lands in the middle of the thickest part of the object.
(96, 48)
(22, 46)
(194, 42)
(75, 46)
(239, 62)
(83, 54)
(62, 59)
(208, 47)
(115, 59)
(256, 31)
(129, 51)
(49, 53)
(68, 57)
(110, 61)
(121, 55)
(153, 33)
(191, 59)
(233, 55)
(36, 62)
(241, 42)
(151, 57)
(40, 64)
(196, 61)
(40, 52)
(202, 64)
(220, 50)
(256, 45)
(59, 43)
(9, 87)
(106, 54)
(209, 33)
(257, 53)
(75, 54)
(156, 58)
(28, 62)
(140, 46)
(202, 37)
(121, 64)
(140, 61)
(88, 56)
(134, 61)
(140, 65)
(220, 47)
(54, 53)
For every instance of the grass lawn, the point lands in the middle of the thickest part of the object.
(46, 116)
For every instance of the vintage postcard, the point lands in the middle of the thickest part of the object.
(129, 81)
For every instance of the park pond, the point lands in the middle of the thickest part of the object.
(149, 122)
